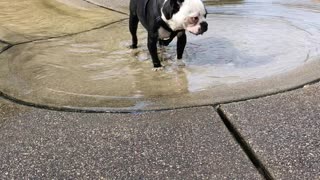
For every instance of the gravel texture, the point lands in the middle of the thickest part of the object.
(179, 144)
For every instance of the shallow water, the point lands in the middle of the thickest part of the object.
(92, 67)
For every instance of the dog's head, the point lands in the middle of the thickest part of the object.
(185, 14)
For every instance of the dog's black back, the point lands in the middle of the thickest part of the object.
(146, 12)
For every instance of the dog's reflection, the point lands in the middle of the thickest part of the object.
(172, 81)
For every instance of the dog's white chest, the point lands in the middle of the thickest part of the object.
(163, 34)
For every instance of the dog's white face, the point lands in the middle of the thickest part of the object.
(185, 14)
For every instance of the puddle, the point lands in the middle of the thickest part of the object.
(251, 48)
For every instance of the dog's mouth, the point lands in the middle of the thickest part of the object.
(198, 29)
(198, 33)
(194, 29)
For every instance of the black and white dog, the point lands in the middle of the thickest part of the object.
(164, 20)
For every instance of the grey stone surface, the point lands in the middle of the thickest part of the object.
(283, 130)
(179, 144)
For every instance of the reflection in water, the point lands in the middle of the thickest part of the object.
(246, 40)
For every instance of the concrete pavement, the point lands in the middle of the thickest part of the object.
(190, 143)
(282, 130)
(276, 136)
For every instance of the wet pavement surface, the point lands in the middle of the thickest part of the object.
(80, 58)
(49, 18)
(72, 55)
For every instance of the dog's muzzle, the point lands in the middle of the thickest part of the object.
(198, 29)
(203, 27)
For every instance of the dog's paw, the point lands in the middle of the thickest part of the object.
(180, 63)
(133, 46)
(157, 69)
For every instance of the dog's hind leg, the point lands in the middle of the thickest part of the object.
(133, 26)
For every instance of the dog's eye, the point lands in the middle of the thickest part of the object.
(195, 19)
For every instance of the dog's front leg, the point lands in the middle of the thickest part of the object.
(152, 47)
(181, 44)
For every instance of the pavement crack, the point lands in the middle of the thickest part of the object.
(244, 145)
(5, 48)
(7, 45)
(4, 42)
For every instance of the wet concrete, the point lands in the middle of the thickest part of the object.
(27, 20)
(251, 49)
(119, 5)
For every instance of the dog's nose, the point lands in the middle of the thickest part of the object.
(204, 27)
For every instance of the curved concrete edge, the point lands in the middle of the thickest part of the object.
(3, 46)
(295, 79)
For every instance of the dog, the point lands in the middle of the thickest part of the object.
(164, 20)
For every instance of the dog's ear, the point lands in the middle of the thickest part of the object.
(171, 7)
